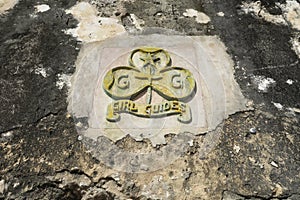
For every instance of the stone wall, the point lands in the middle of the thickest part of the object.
(255, 155)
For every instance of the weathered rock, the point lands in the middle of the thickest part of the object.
(39, 138)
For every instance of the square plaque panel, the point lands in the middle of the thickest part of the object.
(147, 86)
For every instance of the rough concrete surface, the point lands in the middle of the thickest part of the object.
(257, 155)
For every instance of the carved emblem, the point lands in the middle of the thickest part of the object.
(150, 70)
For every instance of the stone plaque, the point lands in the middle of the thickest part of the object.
(149, 86)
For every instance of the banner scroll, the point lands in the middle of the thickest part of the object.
(166, 108)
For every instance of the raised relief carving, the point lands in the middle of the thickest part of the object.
(150, 70)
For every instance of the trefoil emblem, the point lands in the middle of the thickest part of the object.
(150, 70)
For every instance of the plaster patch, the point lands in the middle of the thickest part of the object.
(63, 80)
(236, 148)
(278, 105)
(274, 164)
(41, 71)
(220, 14)
(6, 5)
(201, 17)
(295, 110)
(7, 134)
(292, 13)
(2, 186)
(41, 8)
(138, 23)
(91, 27)
(289, 81)
(263, 83)
(296, 44)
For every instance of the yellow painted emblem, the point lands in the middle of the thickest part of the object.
(150, 69)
